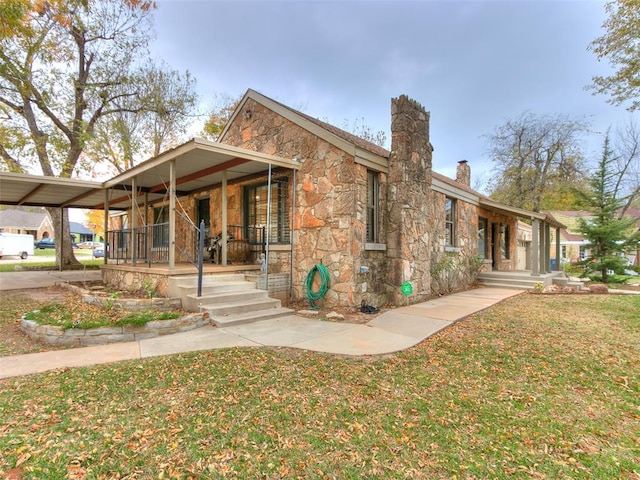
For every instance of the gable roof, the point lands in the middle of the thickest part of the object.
(14, 218)
(375, 157)
(76, 227)
(364, 152)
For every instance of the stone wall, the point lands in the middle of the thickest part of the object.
(463, 254)
(134, 281)
(328, 229)
(79, 337)
(409, 223)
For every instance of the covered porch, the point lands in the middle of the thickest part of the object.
(537, 262)
(176, 214)
(168, 215)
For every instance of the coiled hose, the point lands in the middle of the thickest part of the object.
(314, 295)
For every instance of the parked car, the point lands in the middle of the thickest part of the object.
(91, 245)
(98, 252)
(49, 243)
(45, 243)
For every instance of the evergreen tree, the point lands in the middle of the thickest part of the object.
(609, 234)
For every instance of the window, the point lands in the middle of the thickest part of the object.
(161, 227)
(256, 205)
(583, 253)
(449, 222)
(373, 212)
(564, 251)
(504, 240)
(482, 237)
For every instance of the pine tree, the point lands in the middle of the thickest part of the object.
(608, 233)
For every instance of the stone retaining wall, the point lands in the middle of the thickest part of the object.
(157, 304)
(78, 337)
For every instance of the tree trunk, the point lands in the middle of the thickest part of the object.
(65, 258)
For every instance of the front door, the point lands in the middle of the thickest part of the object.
(495, 245)
(204, 214)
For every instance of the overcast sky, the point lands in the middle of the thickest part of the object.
(472, 64)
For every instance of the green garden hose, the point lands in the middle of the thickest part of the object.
(315, 295)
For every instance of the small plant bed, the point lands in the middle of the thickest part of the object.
(85, 316)
(74, 322)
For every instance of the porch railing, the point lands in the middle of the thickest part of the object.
(151, 242)
(244, 245)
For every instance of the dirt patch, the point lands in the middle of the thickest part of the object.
(349, 314)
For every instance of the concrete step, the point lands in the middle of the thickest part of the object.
(514, 282)
(246, 306)
(192, 302)
(215, 288)
(190, 280)
(250, 317)
(498, 284)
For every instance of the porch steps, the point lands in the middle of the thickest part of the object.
(228, 298)
(524, 280)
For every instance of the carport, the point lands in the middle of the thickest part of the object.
(193, 166)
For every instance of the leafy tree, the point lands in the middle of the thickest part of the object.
(66, 66)
(620, 45)
(155, 120)
(537, 158)
(220, 114)
(95, 222)
(609, 234)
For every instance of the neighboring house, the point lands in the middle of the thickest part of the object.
(292, 192)
(573, 246)
(80, 233)
(37, 224)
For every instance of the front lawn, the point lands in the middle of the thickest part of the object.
(537, 387)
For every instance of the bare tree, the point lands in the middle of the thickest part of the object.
(536, 156)
(626, 158)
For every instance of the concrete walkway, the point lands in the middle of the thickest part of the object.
(390, 332)
(45, 278)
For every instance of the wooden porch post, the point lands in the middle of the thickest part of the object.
(134, 222)
(107, 246)
(542, 242)
(535, 248)
(224, 251)
(558, 249)
(172, 214)
(547, 250)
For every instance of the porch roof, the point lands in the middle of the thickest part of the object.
(519, 212)
(199, 164)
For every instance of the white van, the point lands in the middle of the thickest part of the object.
(14, 244)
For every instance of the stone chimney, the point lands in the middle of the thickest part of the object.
(409, 219)
(463, 173)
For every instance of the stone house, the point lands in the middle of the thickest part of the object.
(374, 218)
(290, 192)
(38, 224)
